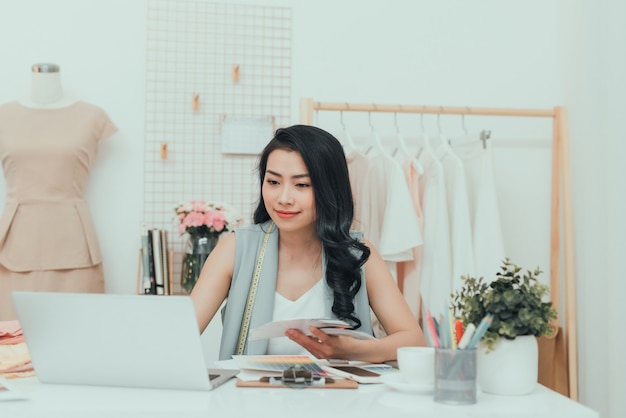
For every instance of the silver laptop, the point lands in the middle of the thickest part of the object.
(144, 341)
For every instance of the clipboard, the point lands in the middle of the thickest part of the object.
(330, 384)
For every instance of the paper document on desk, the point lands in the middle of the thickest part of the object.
(329, 326)
(275, 364)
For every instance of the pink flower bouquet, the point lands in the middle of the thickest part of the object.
(197, 217)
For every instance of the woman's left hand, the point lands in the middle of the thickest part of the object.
(320, 344)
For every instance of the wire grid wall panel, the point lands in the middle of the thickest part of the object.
(205, 61)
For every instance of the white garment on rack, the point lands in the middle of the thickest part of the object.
(489, 249)
(462, 248)
(358, 166)
(410, 272)
(391, 224)
(436, 281)
(382, 200)
(386, 212)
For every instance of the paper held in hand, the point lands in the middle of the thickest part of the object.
(329, 326)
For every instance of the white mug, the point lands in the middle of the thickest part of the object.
(417, 364)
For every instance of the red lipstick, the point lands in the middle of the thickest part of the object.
(285, 214)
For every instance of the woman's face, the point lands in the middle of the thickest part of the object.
(287, 191)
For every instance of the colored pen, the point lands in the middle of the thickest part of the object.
(467, 336)
(458, 330)
(443, 332)
(480, 331)
(430, 323)
(446, 329)
(451, 330)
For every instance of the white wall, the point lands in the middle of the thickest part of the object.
(585, 86)
(485, 53)
(616, 184)
(594, 90)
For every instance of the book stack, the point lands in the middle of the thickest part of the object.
(155, 276)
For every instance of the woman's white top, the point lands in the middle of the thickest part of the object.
(309, 305)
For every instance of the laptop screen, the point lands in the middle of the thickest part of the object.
(121, 340)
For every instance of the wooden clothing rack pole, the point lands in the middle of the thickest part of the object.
(308, 107)
(568, 240)
(561, 189)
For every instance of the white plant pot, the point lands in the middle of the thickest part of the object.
(510, 368)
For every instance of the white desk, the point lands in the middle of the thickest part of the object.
(47, 401)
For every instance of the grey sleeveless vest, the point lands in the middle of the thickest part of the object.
(248, 246)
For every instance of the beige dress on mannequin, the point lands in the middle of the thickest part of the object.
(47, 238)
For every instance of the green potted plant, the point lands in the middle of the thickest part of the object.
(521, 311)
(518, 303)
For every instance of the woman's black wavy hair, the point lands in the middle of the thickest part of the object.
(324, 158)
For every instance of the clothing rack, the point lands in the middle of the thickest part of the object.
(560, 212)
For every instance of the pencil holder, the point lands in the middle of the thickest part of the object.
(455, 376)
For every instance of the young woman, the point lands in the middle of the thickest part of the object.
(311, 266)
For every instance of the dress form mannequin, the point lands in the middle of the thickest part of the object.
(46, 88)
(48, 241)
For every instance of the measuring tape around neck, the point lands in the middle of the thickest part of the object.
(254, 284)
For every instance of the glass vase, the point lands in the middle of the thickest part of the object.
(197, 249)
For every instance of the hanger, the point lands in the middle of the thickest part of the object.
(463, 124)
(376, 142)
(445, 142)
(466, 135)
(399, 138)
(349, 142)
(427, 146)
(402, 146)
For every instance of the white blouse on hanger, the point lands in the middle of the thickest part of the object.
(487, 236)
(410, 271)
(387, 210)
(462, 248)
(436, 280)
(358, 167)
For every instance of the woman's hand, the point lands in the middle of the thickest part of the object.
(320, 344)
